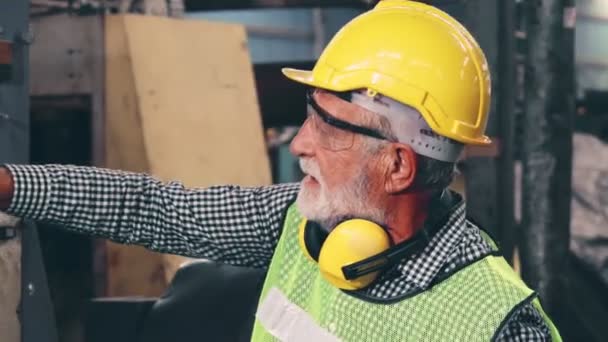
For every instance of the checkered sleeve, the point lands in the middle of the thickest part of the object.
(526, 324)
(232, 224)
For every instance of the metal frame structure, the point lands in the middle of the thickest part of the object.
(37, 315)
(547, 152)
(35, 312)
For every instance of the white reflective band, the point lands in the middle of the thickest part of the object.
(410, 127)
(288, 322)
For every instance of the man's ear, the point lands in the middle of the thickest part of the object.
(402, 168)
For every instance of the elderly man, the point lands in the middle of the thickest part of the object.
(370, 246)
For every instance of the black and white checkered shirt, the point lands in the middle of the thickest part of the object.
(232, 224)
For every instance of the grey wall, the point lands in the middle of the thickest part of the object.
(268, 48)
(14, 137)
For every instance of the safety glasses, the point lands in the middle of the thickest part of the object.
(332, 133)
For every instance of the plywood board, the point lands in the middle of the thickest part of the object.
(181, 105)
(196, 93)
(130, 270)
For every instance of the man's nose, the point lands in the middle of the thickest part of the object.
(303, 143)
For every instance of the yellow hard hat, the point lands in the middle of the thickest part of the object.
(417, 55)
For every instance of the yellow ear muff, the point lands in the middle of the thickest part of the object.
(351, 241)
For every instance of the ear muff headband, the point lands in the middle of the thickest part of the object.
(386, 259)
(405, 249)
(312, 238)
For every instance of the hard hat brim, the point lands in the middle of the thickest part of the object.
(300, 76)
(306, 77)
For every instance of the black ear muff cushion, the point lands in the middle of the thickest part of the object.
(314, 236)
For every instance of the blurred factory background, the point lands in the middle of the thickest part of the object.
(192, 90)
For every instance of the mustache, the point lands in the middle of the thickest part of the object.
(309, 167)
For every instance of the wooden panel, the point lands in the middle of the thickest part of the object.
(179, 110)
(195, 87)
(130, 270)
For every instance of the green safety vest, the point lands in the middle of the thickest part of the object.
(297, 304)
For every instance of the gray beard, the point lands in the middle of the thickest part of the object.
(350, 201)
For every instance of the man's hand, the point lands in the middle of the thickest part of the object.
(6, 195)
(7, 188)
(8, 221)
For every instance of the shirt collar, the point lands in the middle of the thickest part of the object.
(421, 269)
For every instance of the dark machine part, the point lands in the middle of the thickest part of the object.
(505, 87)
(489, 176)
(14, 118)
(592, 114)
(7, 233)
(35, 312)
(547, 149)
(206, 301)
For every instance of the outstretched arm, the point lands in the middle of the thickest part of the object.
(232, 224)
